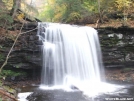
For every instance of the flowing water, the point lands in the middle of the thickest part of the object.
(72, 67)
(70, 53)
(71, 58)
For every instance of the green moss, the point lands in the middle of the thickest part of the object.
(1, 46)
(6, 73)
(1, 83)
(18, 65)
(128, 69)
(9, 89)
(27, 58)
(110, 41)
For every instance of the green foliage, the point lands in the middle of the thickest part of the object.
(122, 4)
(1, 83)
(90, 5)
(6, 18)
(74, 16)
(9, 89)
(0, 99)
(49, 13)
(8, 4)
(29, 9)
(1, 55)
(124, 7)
(6, 73)
(67, 11)
(62, 10)
(72, 10)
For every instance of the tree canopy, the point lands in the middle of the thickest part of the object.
(67, 11)
(9, 11)
(73, 11)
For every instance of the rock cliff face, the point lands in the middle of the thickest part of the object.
(117, 49)
(26, 55)
(117, 46)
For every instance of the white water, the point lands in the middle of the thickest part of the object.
(23, 96)
(71, 57)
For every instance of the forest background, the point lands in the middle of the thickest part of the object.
(119, 12)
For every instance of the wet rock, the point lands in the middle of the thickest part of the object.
(117, 46)
(128, 75)
(129, 79)
(74, 87)
(15, 78)
(56, 95)
(39, 42)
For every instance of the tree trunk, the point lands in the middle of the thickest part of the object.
(2, 5)
(99, 10)
(16, 5)
(1, 2)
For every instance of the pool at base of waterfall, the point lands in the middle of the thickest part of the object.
(121, 92)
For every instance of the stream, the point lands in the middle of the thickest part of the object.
(34, 93)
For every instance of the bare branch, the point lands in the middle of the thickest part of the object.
(29, 31)
(7, 57)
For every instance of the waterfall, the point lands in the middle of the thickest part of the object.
(71, 55)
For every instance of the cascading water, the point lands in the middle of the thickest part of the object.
(72, 61)
(71, 57)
